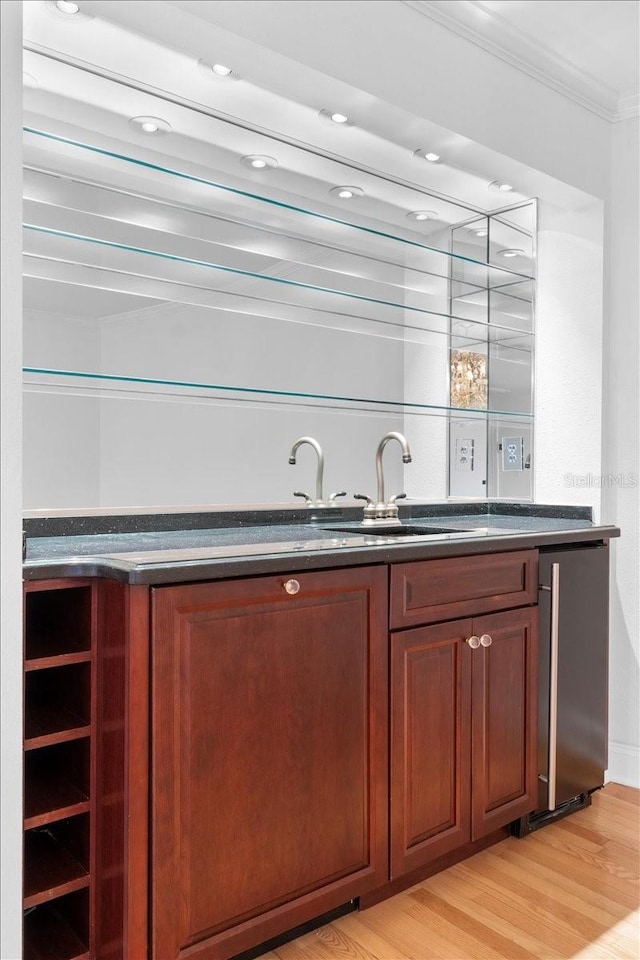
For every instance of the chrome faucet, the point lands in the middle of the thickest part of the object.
(319, 498)
(383, 511)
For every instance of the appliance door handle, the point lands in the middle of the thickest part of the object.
(553, 683)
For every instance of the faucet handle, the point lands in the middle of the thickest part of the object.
(370, 508)
(298, 493)
(397, 496)
(334, 496)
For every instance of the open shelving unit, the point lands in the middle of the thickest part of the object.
(59, 769)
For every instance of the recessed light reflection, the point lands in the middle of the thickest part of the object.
(511, 252)
(67, 7)
(500, 185)
(422, 215)
(335, 116)
(427, 155)
(258, 161)
(150, 125)
(347, 192)
(221, 70)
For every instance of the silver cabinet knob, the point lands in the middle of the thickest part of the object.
(292, 587)
(474, 642)
(486, 640)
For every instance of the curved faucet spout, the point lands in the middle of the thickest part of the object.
(406, 458)
(320, 468)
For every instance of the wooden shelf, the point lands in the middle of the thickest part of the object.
(57, 660)
(48, 936)
(47, 723)
(50, 870)
(50, 797)
(58, 622)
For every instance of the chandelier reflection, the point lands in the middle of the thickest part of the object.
(468, 379)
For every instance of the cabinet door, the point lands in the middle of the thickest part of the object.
(430, 743)
(269, 789)
(504, 721)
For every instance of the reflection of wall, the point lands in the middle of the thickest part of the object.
(62, 442)
(190, 451)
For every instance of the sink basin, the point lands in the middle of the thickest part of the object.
(404, 529)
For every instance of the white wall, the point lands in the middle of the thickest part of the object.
(11, 493)
(621, 460)
(568, 380)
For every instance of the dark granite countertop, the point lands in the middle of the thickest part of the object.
(254, 543)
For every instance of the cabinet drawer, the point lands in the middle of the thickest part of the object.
(433, 590)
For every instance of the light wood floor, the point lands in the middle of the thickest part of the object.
(568, 890)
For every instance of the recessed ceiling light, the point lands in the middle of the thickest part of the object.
(258, 161)
(482, 233)
(500, 185)
(67, 7)
(511, 252)
(422, 215)
(347, 193)
(153, 126)
(219, 70)
(427, 155)
(332, 116)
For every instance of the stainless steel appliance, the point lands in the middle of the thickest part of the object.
(573, 685)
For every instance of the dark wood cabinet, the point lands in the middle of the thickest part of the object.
(209, 765)
(430, 743)
(269, 755)
(463, 722)
(504, 770)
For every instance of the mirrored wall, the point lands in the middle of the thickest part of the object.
(196, 300)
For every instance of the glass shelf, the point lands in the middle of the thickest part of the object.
(118, 381)
(261, 205)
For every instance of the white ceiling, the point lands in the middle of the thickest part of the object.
(586, 49)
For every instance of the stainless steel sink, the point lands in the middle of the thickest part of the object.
(403, 529)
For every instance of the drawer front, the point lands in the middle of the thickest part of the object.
(433, 590)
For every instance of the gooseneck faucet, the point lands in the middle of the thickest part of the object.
(384, 512)
(406, 458)
(319, 498)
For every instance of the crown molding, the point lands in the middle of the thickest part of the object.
(493, 33)
(628, 108)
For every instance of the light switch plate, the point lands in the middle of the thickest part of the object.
(464, 454)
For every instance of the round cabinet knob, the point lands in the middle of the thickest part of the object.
(292, 587)
(474, 642)
(486, 640)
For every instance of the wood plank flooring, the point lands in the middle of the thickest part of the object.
(569, 890)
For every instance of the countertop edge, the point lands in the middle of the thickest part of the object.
(295, 561)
